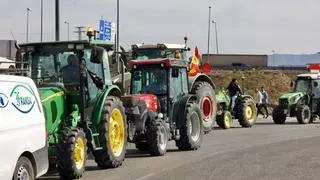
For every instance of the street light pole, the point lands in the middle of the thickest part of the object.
(66, 22)
(28, 10)
(117, 36)
(209, 29)
(57, 17)
(215, 27)
(41, 23)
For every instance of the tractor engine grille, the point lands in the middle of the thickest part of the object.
(284, 102)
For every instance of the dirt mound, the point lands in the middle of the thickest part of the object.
(275, 82)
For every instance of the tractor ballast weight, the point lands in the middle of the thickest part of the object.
(82, 107)
(159, 107)
(303, 103)
(244, 110)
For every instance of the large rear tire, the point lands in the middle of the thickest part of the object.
(112, 134)
(247, 113)
(224, 120)
(71, 153)
(191, 133)
(157, 136)
(303, 114)
(207, 104)
(23, 169)
(278, 115)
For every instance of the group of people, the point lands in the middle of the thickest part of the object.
(261, 97)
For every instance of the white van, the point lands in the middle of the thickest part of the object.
(6, 63)
(23, 138)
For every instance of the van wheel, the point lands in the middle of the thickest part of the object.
(23, 170)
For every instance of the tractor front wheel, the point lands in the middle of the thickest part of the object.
(72, 153)
(303, 114)
(157, 136)
(224, 120)
(191, 133)
(112, 134)
(278, 115)
(247, 113)
(207, 104)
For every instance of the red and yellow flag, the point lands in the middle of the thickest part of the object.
(194, 66)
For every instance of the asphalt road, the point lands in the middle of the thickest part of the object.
(265, 151)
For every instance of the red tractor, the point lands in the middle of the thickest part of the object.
(160, 107)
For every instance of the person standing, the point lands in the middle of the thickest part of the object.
(234, 90)
(265, 99)
(257, 97)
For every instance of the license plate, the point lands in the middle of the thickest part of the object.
(285, 111)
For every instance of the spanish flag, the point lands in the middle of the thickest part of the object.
(194, 66)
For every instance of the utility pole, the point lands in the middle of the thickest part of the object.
(215, 27)
(79, 31)
(209, 29)
(41, 23)
(28, 10)
(57, 21)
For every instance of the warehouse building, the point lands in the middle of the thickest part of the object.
(246, 60)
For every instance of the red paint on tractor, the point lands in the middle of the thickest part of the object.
(150, 100)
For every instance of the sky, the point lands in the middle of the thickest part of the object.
(243, 26)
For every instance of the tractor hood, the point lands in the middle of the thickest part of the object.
(222, 96)
(292, 95)
(149, 100)
(48, 93)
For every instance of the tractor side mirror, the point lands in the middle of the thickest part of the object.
(97, 54)
(315, 84)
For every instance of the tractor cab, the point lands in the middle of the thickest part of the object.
(164, 78)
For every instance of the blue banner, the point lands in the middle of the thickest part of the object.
(105, 30)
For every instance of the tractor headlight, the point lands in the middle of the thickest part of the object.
(160, 115)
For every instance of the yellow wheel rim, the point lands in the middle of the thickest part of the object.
(249, 112)
(116, 132)
(79, 153)
(227, 121)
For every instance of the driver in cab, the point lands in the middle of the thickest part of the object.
(70, 72)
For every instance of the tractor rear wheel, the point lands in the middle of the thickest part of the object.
(303, 114)
(72, 153)
(112, 134)
(207, 104)
(191, 133)
(247, 113)
(224, 120)
(278, 115)
(157, 136)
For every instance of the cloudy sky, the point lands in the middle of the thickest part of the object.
(244, 26)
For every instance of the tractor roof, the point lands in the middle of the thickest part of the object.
(167, 62)
(159, 45)
(102, 43)
(310, 75)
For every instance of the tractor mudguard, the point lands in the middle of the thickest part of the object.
(200, 77)
(179, 109)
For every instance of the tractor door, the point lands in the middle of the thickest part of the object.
(315, 95)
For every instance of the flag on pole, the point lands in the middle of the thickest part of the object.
(194, 66)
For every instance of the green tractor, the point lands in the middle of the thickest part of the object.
(82, 107)
(244, 110)
(159, 107)
(302, 103)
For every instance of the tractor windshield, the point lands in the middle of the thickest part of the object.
(303, 85)
(149, 81)
(155, 53)
(58, 64)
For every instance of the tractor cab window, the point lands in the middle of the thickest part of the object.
(149, 81)
(179, 83)
(160, 53)
(303, 85)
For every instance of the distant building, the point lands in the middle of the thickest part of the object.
(8, 49)
(235, 60)
(293, 60)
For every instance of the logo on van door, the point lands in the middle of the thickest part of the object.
(4, 100)
(22, 98)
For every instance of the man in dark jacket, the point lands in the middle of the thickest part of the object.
(234, 90)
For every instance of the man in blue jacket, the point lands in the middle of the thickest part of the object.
(265, 99)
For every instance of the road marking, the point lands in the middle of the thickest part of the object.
(146, 176)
